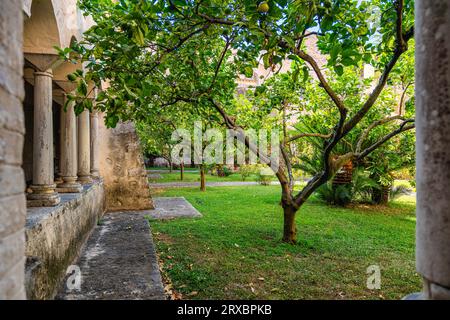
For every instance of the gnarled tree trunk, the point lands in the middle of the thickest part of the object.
(290, 228)
(182, 171)
(381, 196)
(202, 178)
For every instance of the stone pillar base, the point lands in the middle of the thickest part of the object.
(431, 291)
(69, 185)
(43, 196)
(85, 179)
(95, 174)
(414, 296)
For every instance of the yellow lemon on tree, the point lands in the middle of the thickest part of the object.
(263, 7)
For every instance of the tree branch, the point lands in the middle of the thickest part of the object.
(373, 125)
(403, 127)
(219, 63)
(285, 185)
(401, 47)
(301, 135)
(306, 57)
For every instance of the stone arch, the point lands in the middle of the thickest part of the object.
(41, 32)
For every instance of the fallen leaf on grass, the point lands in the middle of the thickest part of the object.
(168, 287)
(176, 296)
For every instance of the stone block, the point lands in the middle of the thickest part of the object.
(12, 214)
(11, 146)
(12, 250)
(122, 168)
(11, 284)
(12, 180)
(11, 115)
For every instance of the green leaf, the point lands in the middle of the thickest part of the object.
(71, 77)
(248, 71)
(339, 69)
(82, 87)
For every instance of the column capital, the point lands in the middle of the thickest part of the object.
(47, 73)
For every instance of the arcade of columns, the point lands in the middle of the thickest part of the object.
(79, 162)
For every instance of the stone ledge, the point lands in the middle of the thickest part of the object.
(118, 261)
(55, 236)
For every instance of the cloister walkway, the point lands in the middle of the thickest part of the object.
(119, 260)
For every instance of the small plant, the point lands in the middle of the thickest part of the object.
(360, 189)
(363, 186)
(221, 171)
(264, 176)
(340, 195)
(246, 170)
(226, 172)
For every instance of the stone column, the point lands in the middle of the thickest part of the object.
(84, 154)
(69, 153)
(94, 145)
(43, 187)
(433, 146)
(62, 123)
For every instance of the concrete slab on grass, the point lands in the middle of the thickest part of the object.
(173, 207)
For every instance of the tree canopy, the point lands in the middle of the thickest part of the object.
(157, 55)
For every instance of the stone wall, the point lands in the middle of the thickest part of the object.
(122, 168)
(55, 236)
(12, 197)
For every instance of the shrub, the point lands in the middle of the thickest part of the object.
(226, 172)
(246, 170)
(340, 195)
(264, 176)
(360, 189)
(363, 186)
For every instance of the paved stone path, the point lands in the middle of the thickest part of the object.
(118, 261)
(197, 184)
(173, 207)
(154, 176)
(209, 184)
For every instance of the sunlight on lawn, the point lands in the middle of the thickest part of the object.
(235, 252)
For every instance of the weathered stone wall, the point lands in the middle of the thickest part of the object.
(12, 197)
(55, 236)
(122, 168)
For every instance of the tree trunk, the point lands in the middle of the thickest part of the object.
(290, 228)
(170, 166)
(381, 196)
(182, 171)
(202, 178)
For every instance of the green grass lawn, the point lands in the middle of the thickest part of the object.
(235, 252)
